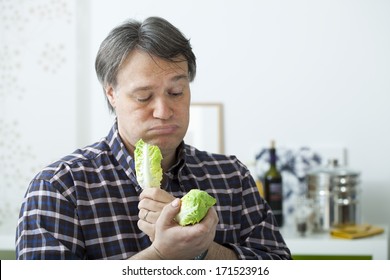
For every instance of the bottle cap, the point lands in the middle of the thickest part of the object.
(272, 144)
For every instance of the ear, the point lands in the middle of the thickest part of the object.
(111, 95)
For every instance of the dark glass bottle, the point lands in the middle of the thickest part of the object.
(273, 186)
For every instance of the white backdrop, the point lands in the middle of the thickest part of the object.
(313, 73)
(38, 106)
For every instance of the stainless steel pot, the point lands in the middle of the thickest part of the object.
(336, 195)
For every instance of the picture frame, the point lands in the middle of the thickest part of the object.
(205, 131)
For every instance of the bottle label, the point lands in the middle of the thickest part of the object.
(275, 191)
(277, 212)
(276, 201)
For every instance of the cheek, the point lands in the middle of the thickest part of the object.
(185, 117)
(185, 108)
(181, 109)
(133, 117)
(127, 109)
(129, 117)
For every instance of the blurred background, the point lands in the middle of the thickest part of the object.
(305, 73)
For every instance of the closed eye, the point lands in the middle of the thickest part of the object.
(143, 98)
(176, 93)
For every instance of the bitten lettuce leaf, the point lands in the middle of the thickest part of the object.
(194, 207)
(148, 164)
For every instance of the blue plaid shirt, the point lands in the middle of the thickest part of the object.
(85, 205)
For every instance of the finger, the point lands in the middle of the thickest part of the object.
(211, 217)
(156, 194)
(152, 205)
(142, 214)
(169, 212)
(147, 228)
(207, 227)
(148, 215)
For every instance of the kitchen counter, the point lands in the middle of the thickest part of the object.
(7, 247)
(324, 246)
(312, 246)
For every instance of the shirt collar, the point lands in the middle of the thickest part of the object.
(127, 162)
(180, 159)
(121, 154)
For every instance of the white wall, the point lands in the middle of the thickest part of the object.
(313, 73)
(38, 89)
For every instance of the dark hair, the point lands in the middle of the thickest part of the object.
(155, 36)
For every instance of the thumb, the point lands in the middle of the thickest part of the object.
(170, 211)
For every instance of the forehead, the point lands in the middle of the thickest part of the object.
(139, 64)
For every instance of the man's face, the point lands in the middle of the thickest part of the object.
(151, 101)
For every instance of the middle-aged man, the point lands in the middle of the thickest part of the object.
(89, 205)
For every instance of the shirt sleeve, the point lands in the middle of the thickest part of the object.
(48, 226)
(260, 237)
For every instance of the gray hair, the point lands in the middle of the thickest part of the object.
(155, 36)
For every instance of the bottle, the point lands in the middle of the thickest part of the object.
(273, 187)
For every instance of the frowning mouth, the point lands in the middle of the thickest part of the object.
(164, 129)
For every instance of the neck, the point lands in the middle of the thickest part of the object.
(169, 159)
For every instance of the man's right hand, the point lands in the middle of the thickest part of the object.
(173, 241)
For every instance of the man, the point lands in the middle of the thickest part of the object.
(89, 204)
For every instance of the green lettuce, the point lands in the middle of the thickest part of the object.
(148, 164)
(194, 207)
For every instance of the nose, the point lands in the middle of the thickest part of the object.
(162, 109)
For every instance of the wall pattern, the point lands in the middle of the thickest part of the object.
(37, 61)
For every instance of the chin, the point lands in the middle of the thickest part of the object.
(166, 143)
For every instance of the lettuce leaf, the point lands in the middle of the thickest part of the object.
(194, 207)
(148, 164)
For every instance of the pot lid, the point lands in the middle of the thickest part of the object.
(333, 176)
(333, 169)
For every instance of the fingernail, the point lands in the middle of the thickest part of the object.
(175, 203)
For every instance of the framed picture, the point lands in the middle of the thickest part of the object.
(205, 131)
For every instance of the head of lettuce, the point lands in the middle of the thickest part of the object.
(194, 207)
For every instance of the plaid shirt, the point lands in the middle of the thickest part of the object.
(85, 205)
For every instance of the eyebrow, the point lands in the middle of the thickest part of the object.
(179, 77)
(173, 79)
